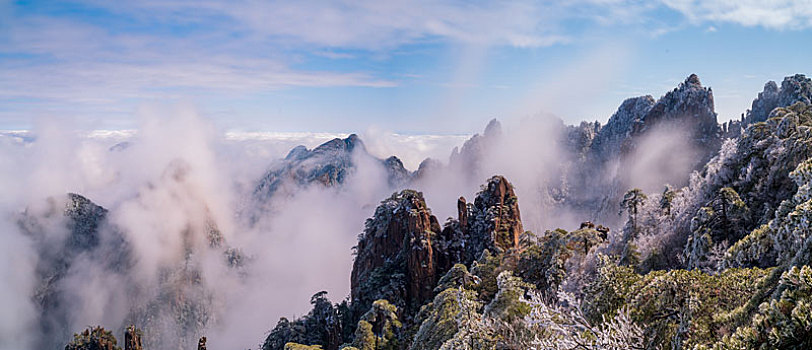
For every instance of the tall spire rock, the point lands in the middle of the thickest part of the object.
(403, 251)
(493, 222)
(395, 255)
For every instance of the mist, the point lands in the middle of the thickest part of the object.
(183, 223)
(168, 186)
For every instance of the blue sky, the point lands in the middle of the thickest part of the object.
(407, 66)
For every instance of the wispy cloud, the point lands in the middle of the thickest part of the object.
(367, 24)
(774, 14)
(103, 56)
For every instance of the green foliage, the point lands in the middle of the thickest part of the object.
(442, 317)
(486, 269)
(679, 307)
(508, 305)
(93, 338)
(457, 276)
(782, 323)
(364, 338)
(295, 346)
(322, 325)
(632, 203)
(667, 199)
(755, 249)
(610, 289)
(285, 332)
(378, 328)
(542, 264)
(721, 221)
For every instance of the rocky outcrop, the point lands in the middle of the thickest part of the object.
(688, 107)
(796, 88)
(329, 164)
(684, 115)
(396, 173)
(609, 140)
(493, 221)
(579, 138)
(403, 250)
(396, 258)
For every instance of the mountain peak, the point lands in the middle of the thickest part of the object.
(693, 80)
(493, 129)
(794, 88)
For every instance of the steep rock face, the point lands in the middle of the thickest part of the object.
(396, 258)
(609, 140)
(630, 144)
(796, 88)
(580, 138)
(403, 250)
(329, 164)
(396, 172)
(493, 221)
(76, 244)
(690, 105)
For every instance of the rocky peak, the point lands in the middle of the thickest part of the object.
(688, 104)
(693, 80)
(579, 138)
(90, 238)
(428, 167)
(297, 153)
(329, 164)
(468, 159)
(493, 221)
(84, 220)
(396, 172)
(796, 88)
(340, 146)
(397, 241)
(493, 129)
(609, 139)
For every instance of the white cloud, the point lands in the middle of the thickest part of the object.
(370, 24)
(56, 64)
(773, 14)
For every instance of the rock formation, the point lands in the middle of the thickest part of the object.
(403, 251)
(396, 257)
(609, 140)
(796, 88)
(493, 222)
